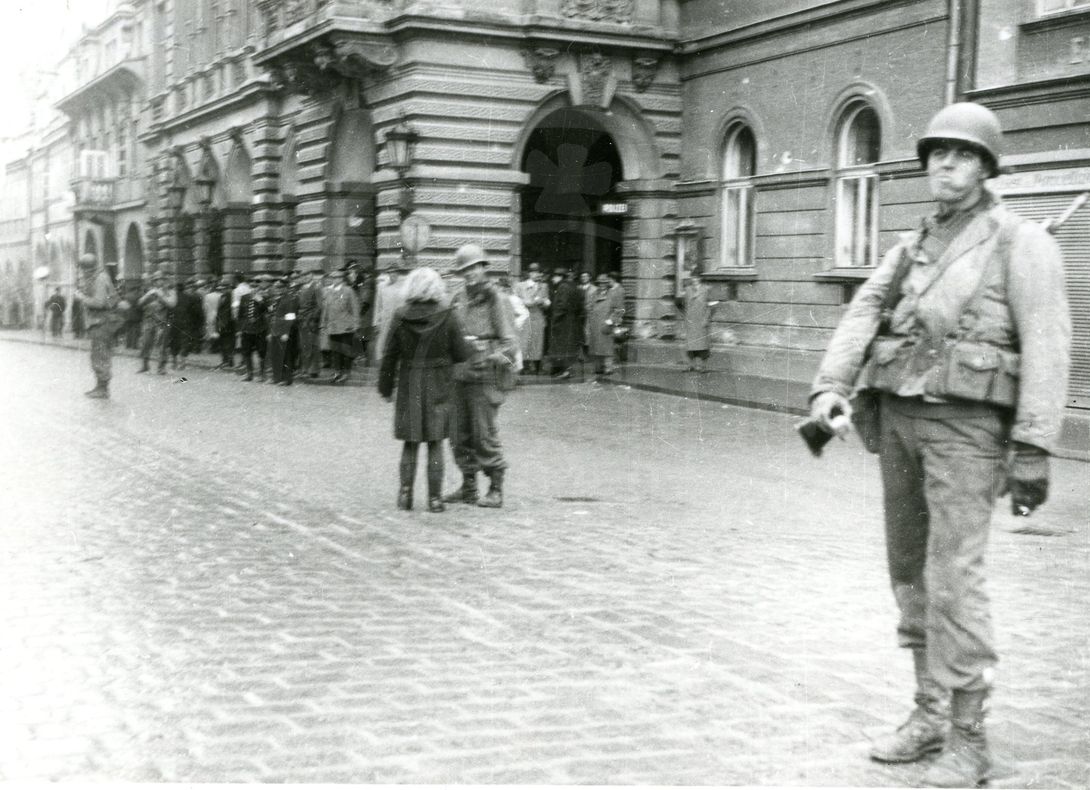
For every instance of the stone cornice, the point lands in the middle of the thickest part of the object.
(1048, 91)
(126, 76)
(224, 104)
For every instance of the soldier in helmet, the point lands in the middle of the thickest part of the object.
(96, 291)
(480, 383)
(968, 331)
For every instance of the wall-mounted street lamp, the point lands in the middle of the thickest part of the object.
(400, 149)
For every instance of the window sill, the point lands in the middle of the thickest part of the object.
(1056, 20)
(730, 274)
(844, 274)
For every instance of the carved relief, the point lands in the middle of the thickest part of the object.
(619, 11)
(595, 69)
(541, 61)
(325, 64)
(643, 72)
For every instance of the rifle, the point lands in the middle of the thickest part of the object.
(816, 435)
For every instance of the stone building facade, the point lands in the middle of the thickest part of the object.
(769, 144)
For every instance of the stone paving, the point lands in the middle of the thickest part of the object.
(206, 581)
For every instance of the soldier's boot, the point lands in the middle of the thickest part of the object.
(494, 497)
(965, 760)
(144, 368)
(435, 484)
(467, 493)
(925, 729)
(101, 390)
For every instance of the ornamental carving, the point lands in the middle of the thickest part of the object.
(324, 65)
(542, 62)
(595, 69)
(643, 72)
(619, 11)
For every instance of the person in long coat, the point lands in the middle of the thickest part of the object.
(603, 318)
(534, 293)
(696, 315)
(424, 340)
(340, 322)
(565, 326)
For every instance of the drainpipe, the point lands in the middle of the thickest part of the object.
(953, 50)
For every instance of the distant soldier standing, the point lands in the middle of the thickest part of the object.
(157, 303)
(99, 297)
(973, 375)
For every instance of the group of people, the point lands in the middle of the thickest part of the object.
(565, 319)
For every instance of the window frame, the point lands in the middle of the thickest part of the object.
(1069, 5)
(856, 203)
(737, 218)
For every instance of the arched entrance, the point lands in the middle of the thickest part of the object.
(574, 166)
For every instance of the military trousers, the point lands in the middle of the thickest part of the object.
(943, 466)
(153, 338)
(474, 429)
(310, 351)
(102, 351)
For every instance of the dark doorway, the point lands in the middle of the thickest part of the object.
(215, 243)
(574, 167)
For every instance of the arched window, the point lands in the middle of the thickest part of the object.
(736, 197)
(858, 148)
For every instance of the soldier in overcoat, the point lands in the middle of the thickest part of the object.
(972, 370)
(425, 339)
(696, 316)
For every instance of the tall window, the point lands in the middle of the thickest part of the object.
(858, 149)
(736, 197)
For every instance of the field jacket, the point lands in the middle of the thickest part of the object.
(988, 322)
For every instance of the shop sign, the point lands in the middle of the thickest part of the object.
(614, 207)
(1068, 179)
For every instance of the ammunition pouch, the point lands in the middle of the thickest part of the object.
(959, 369)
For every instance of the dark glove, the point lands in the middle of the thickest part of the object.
(1027, 478)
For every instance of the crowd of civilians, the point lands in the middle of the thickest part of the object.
(274, 327)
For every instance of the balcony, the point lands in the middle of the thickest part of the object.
(310, 45)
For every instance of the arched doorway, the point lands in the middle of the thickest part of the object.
(230, 223)
(133, 267)
(574, 165)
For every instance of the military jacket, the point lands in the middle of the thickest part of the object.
(988, 322)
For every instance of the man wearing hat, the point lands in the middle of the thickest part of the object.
(157, 303)
(188, 321)
(963, 331)
(99, 297)
(253, 326)
(283, 332)
(565, 325)
(340, 322)
(310, 323)
(603, 319)
(225, 323)
(481, 382)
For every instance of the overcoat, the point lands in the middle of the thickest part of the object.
(535, 296)
(696, 317)
(566, 321)
(341, 311)
(423, 343)
(603, 308)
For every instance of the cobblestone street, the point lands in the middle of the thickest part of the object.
(205, 580)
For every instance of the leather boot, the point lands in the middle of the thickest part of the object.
(144, 368)
(925, 729)
(467, 493)
(494, 497)
(965, 760)
(405, 497)
(99, 392)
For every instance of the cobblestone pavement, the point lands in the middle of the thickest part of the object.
(205, 580)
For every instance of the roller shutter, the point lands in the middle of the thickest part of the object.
(1074, 239)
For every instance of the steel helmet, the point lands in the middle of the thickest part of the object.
(969, 123)
(468, 255)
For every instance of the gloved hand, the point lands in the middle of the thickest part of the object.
(1027, 478)
(832, 412)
